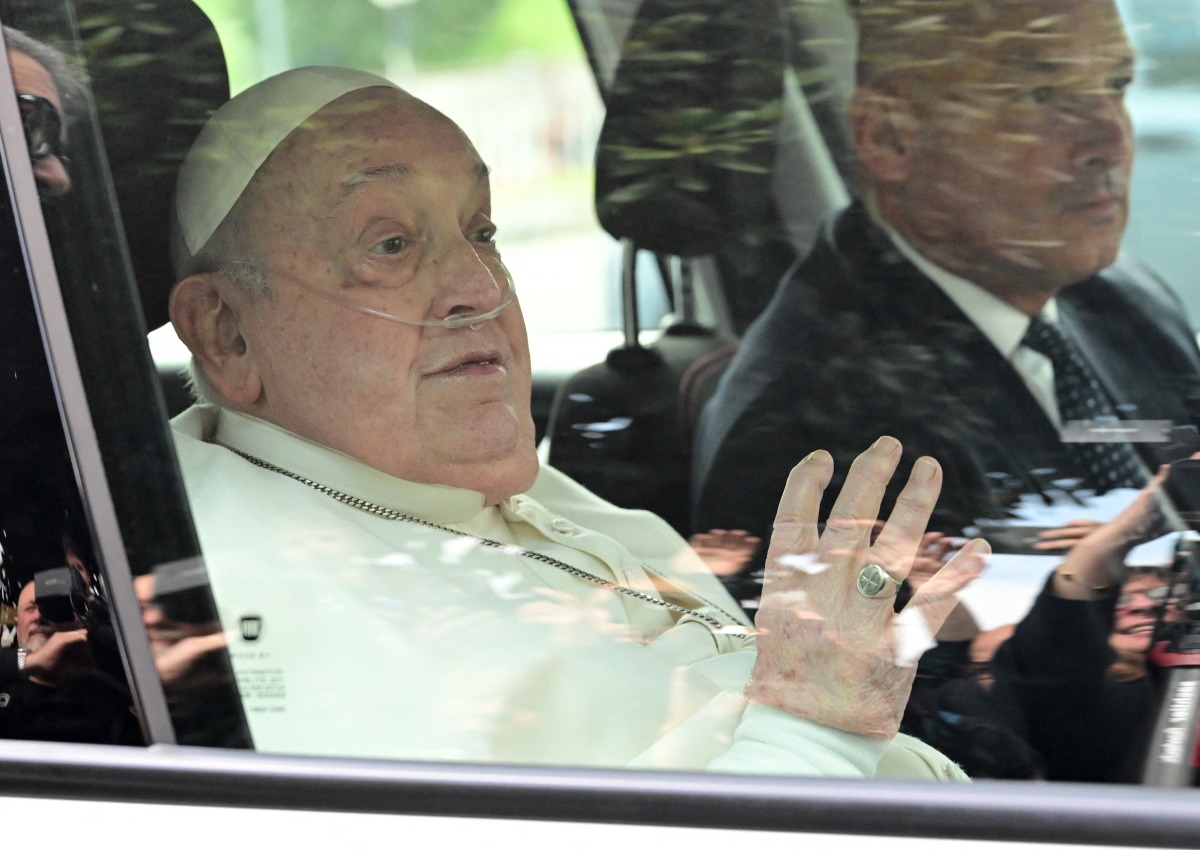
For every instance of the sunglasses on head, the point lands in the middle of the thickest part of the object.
(43, 127)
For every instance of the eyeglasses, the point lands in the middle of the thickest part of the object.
(1154, 594)
(43, 127)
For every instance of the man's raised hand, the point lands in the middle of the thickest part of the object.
(826, 652)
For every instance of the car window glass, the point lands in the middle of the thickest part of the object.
(86, 272)
(61, 672)
(356, 612)
(514, 77)
(1162, 231)
(962, 304)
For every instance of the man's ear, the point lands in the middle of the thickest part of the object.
(203, 311)
(884, 129)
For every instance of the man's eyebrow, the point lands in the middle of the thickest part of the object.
(396, 172)
(1124, 62)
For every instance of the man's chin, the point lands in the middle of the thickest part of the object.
(512, 476)
(1094, 250)
(36, 642)
(1139, 642)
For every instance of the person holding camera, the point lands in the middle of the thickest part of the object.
(45, 649)
(1076, 680)
(51, 688)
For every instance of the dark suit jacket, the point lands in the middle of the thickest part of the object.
(857, 343)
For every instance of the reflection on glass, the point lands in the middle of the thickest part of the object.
(61, 675)
(73, 601)
(187, 643)
(972, 303)
(386, 482)
(63, 680)
(396, 577)
(48, 88)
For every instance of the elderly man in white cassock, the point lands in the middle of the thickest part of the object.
(403, 579)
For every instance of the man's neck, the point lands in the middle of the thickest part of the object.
(1030, 301)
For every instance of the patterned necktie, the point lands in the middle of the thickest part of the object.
(1080, 397)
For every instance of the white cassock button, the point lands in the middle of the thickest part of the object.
(562, 526)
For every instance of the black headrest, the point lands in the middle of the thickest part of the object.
(689, 138)
(157, 72)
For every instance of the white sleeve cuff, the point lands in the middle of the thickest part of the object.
(771, 740)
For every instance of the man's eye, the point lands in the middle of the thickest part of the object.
(484, 234)
(1119, 84)
(1038, 96)
(391, 245)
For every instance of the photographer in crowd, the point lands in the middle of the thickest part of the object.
(1075, 680)
(51, 688)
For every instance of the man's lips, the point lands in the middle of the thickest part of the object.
(1137, 629)
(1101, 203)
(1103, 195)
(474, 361)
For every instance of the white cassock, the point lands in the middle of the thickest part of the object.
(357, 635)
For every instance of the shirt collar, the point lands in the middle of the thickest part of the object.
(1003, 324)
(432, 502)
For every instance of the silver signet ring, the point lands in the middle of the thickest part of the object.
(874, 582)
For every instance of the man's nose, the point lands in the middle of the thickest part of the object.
(51, 176)
(465, 282)
(1103, 131)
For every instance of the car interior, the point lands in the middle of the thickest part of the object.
(717, 146)
(725, 219)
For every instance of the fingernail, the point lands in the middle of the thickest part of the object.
(979, 548)
(924, 469)
(818, 456)
(891, 442)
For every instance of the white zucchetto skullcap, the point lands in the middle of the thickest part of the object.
(237, 140)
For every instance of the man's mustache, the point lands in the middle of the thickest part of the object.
(1090, 184)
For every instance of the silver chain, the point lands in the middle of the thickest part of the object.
(388, 513)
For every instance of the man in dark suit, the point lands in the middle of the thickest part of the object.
(995, 154)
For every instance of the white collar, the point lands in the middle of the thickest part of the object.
(1003, 324)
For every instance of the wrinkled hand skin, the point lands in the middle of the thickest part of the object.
(825, 652)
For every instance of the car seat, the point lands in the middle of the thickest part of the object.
(722, 145)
